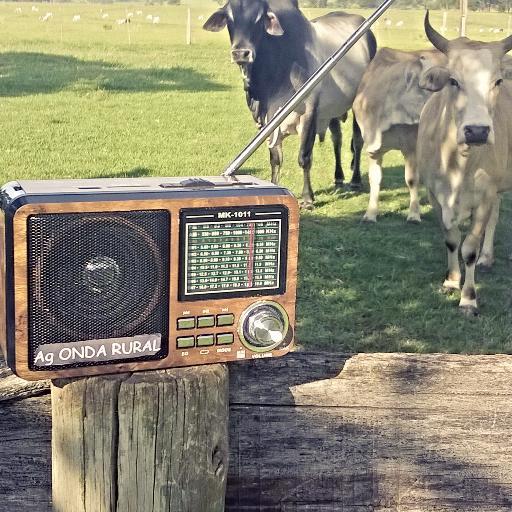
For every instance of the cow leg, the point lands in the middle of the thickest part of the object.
(486, 259)
(375, 178)
(470, 249)
(356, 147)
(307, 141)
(336, 137)
(276, 161)
(452, 239)
(468, 304)
(412, 181)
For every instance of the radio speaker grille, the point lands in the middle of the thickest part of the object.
(98, 276)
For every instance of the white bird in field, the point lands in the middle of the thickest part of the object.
(18, 10)
(129, 15)
(35, 9)
(388, 22)
(47, 16)
(76, 18)
(149, 17)
(104, 16)
(156, 19)
(139, 13)
(399, 23)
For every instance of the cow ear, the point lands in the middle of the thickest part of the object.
(217, 21)
(412, 72)
(507, 67)
(272, 25)
(434, 79)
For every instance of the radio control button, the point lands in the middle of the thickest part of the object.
(186, 323)
(205, 340)
(185, 342)
(205, 321)
(263, 326)
(224, 320)
(225, 339)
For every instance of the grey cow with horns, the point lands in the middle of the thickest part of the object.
(277, 50)
(464, 150)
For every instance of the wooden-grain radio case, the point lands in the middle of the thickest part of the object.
(112, 275)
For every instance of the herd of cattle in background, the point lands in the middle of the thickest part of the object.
(448, 110)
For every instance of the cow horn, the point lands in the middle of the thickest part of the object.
(507, 44)
(440, 42)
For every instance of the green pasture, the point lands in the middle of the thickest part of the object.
(92, 98)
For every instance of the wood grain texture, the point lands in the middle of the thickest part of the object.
(84, 444)
(148, 442)
(25, 455)
(378, 432)
(176, 358)
(14, 388)
(314, 432)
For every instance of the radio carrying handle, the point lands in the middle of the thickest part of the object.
(305, 90)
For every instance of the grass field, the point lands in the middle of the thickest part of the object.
(93, 98)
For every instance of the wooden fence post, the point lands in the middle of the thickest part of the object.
(444, 26)
(463, 17)
(189, 27)
(148, 441)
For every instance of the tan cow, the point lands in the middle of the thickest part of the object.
(387, 107)
(465, 150)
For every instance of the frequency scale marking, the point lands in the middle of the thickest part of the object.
(225, 256)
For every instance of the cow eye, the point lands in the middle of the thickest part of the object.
(498, 82)
(454, 82)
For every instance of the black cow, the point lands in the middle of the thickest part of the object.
(277, 50)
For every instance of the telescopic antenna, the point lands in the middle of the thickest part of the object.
(304, 91)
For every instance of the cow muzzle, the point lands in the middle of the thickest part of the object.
(242, 56)
(476, 134)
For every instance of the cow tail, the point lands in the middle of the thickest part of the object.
(372, 44)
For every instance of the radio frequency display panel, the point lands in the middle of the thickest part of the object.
(233, 252)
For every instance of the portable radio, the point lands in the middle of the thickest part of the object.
(115, 275)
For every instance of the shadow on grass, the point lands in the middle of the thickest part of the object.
(27, 73)
(392, 178)
(377, 287)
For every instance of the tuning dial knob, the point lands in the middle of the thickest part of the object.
(263, 326)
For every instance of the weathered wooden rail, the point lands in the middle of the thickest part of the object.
(322, 432)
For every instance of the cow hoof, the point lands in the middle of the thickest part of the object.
(370, 219)
(413, 219)
(483, 267)
(450, 286)
(355, 187)
(485, 263)
(469, 311)
(306, 205)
